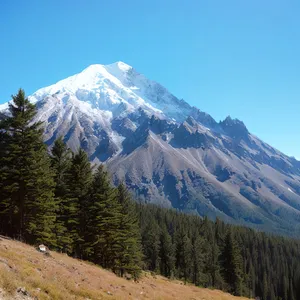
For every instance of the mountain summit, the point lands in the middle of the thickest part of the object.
(116, 88)
(169, 152)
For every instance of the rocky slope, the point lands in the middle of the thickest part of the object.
(26, 274)
(170, 153)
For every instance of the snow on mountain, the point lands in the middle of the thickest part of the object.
(82, 107)
(113, 86)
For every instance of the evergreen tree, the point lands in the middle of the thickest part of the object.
(183, 254)
(130, 254)
(26, 187)
(61, 159)
(151, 245)
(167, 254)
(105, 237)
(232, 264)
(198, 260)
(251, 280)
(76, 204)
(212, 266)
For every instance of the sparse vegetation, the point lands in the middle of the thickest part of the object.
(60, 277)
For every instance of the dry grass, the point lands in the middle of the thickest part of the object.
(61, 277)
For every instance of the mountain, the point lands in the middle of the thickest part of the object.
(169, 152)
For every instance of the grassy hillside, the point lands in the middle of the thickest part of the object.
(60, 277)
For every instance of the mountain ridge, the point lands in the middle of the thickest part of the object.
(169, 152)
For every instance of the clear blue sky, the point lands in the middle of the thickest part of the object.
(238, 58)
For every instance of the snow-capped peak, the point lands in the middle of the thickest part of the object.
(105, 87)
(120, 66)
(114, 89)
(90, 78)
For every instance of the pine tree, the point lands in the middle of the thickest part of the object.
(61, 159)
(104, 235)
(212, 266)
(76, 204)
(197, 260)
(27, 202)
(151, 245)
(251, 280)
(8, 216)
(232, 264)
(183, 254)
(167, 254)
(130, 253)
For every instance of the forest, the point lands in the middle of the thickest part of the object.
(57, 197)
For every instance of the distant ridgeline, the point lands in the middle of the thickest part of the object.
(58, 199)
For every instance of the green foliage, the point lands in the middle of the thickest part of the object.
(167, 253)
(130, 253)
(235, 259)
(26, 182)
(76, 200)
(104, 218)
(232, 264)
(183, 254)
(61, 161)
(151, 245)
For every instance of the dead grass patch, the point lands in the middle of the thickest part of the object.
(60, 277)
(8, 280)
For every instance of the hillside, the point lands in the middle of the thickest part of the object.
(60, 277)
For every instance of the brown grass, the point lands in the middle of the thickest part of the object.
(63, 278)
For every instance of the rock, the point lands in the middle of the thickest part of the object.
(42, 248)
(109, 293)
(128, 276)
(22, 290)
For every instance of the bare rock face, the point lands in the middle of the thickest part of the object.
(235, 129)
(170, 153)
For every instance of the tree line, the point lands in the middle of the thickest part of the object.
(58, 198)
(235, 259)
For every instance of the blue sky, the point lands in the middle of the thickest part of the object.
(238, 58)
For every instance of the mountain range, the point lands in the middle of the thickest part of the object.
(168, 152)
